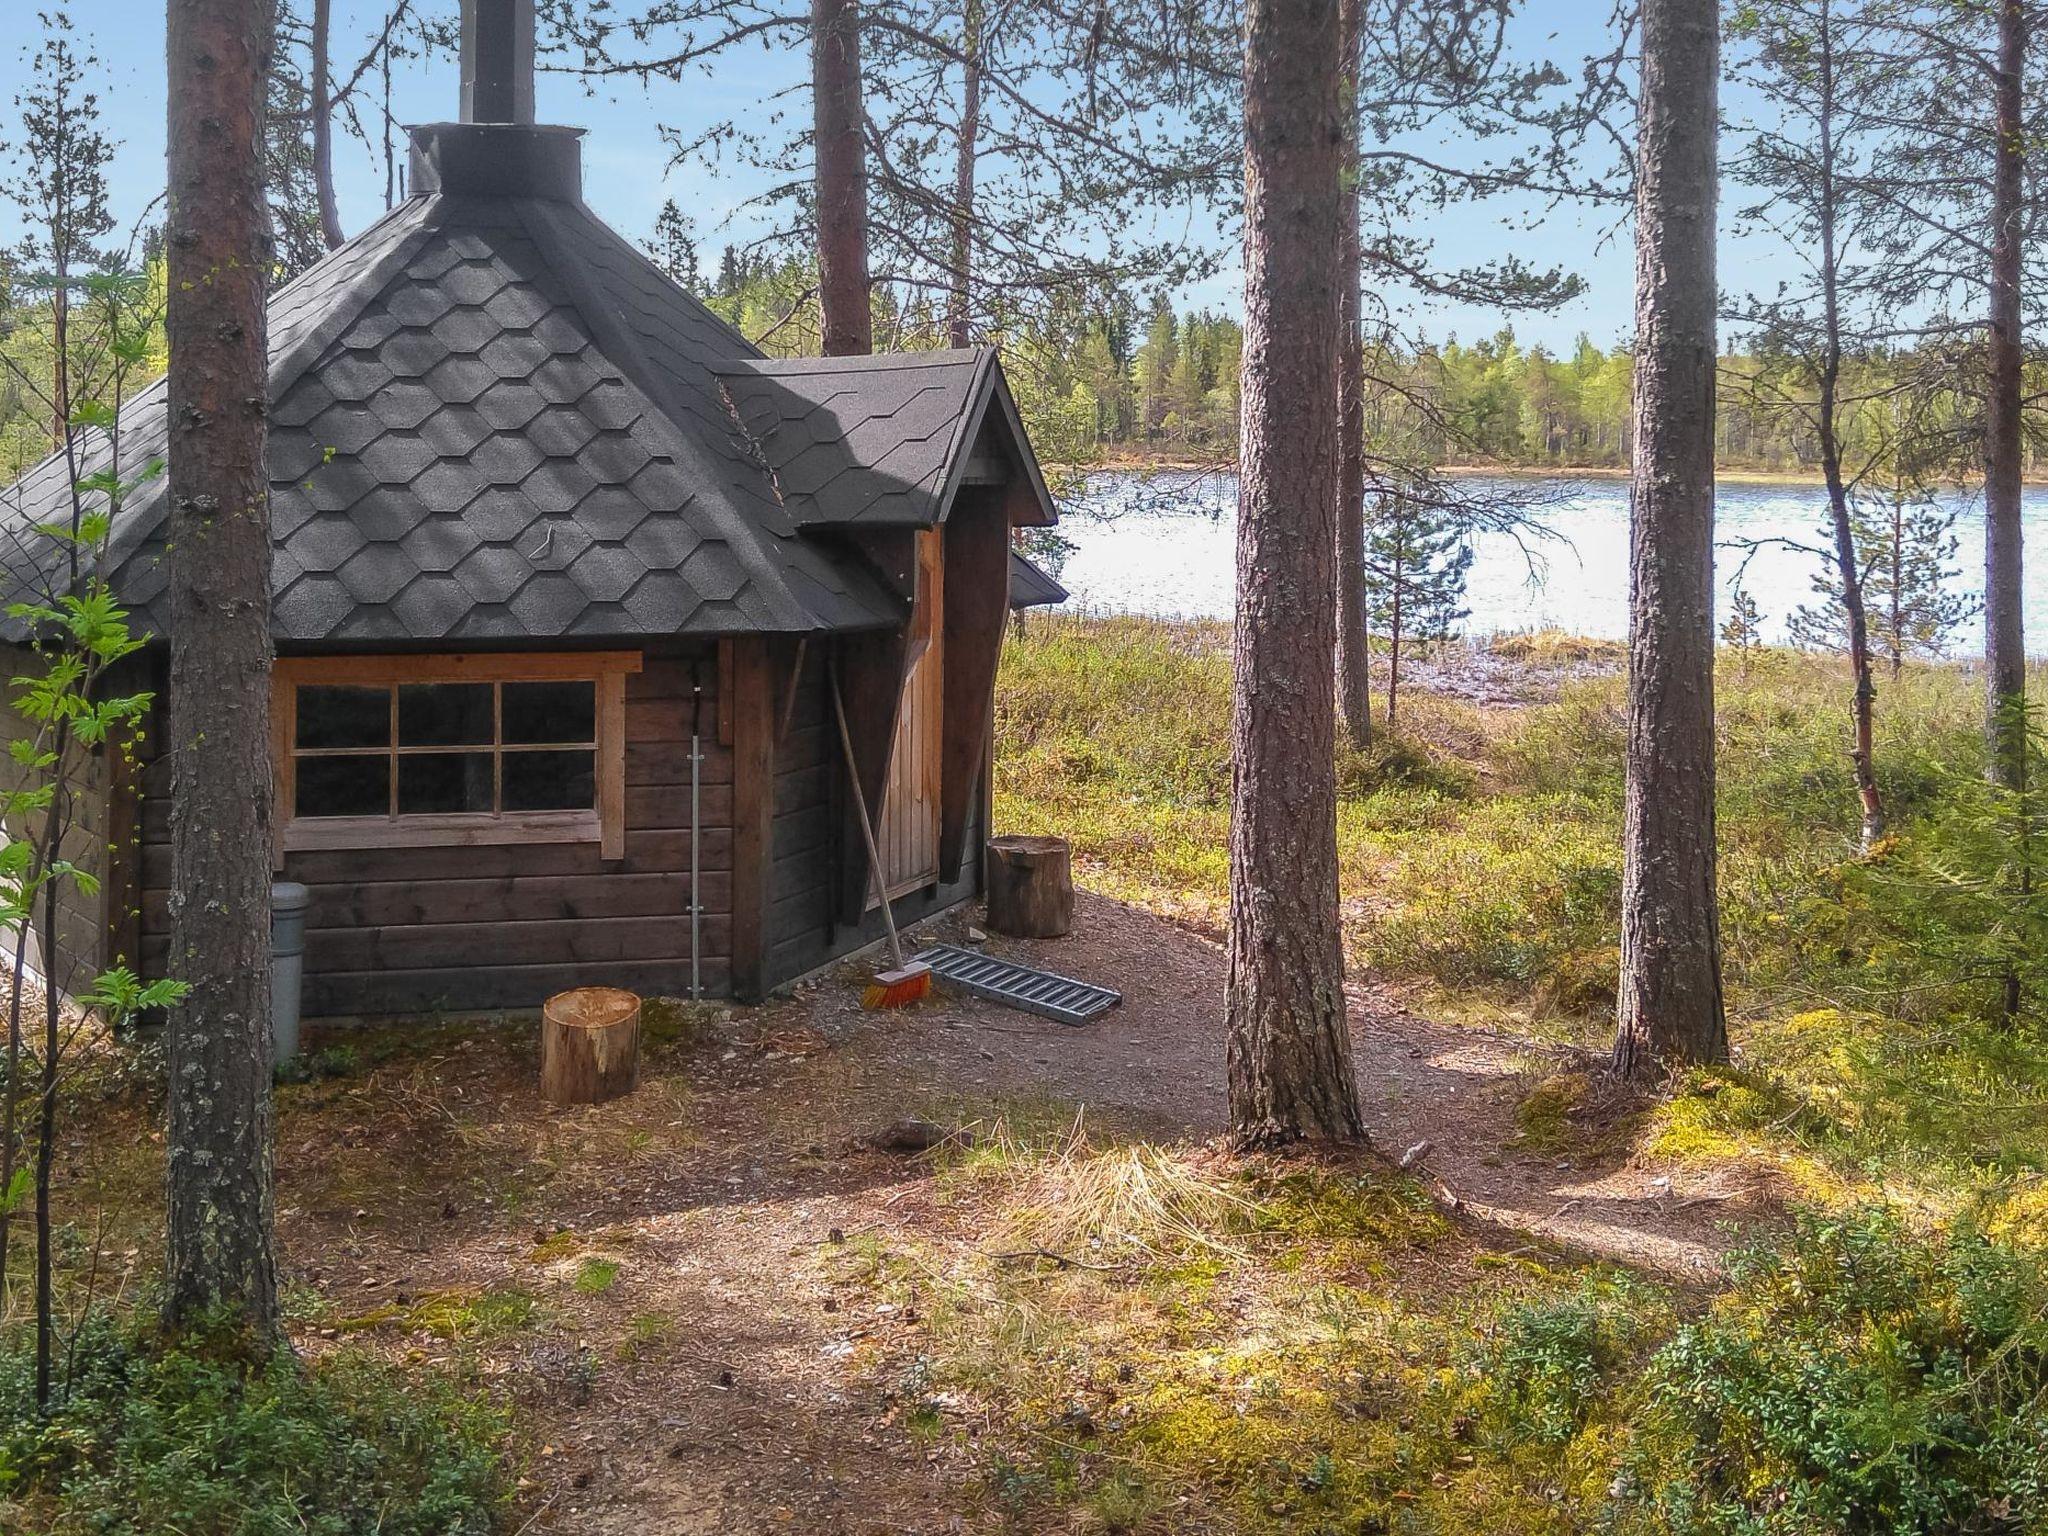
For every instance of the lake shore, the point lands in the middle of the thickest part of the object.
(1144, 463)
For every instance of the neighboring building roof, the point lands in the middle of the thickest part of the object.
(1031, 587)
(492, 418)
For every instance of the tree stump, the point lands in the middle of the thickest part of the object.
(1030, 887)
(589, 1045)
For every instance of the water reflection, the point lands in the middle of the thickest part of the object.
(1164, 544)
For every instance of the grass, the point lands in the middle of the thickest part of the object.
(1261, 1347)
(595, 1276)
(469, 1316)
(1481, 870)
(146, 1437)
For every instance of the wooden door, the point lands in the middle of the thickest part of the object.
(909, 830)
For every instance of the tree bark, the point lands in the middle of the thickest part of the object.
(1354, 676)
(839, 125)
(1896, 598)
(1289, 1051)
(219, 1238)
(2005, 653)
(967, 151)
(1394, 647)
(1670, 994)
(323, 126)
(46, 1134)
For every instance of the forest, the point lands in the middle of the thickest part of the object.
(591, 942)
(1131, 380)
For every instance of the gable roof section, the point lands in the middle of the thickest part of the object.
(877, 442)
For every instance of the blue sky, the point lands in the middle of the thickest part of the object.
(627, 174)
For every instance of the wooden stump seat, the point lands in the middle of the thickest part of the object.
(589, 1045)
(1030, 887)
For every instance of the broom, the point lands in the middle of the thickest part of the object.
(905, 982)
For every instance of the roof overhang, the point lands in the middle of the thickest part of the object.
(995, 402)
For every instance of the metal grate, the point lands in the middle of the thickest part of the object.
(1060, 998)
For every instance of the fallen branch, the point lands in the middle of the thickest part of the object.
(1061, 1260)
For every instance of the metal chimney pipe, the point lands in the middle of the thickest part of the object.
(497, 61)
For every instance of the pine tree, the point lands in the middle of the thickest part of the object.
(1157, 358)
(674, 246)
(1417, 559)
(1670, 1008)
(1907, 545)
(1744, 629)
(1289, 1037)
(218, 1240)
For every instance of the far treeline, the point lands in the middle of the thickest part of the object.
(1132, 378)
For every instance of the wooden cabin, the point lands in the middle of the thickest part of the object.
(564, 572)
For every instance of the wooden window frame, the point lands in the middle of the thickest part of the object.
(604, 824)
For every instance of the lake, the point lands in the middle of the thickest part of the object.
(1164, 544)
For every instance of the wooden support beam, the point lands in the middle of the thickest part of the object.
(754, 692)
(977, 588)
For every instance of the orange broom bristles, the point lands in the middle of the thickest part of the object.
(899, 989)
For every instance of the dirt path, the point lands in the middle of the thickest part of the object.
(1157, 1062)
(683, 1355)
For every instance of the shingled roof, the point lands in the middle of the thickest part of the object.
(874, 441)
(493, 418)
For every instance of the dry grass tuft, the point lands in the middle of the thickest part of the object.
(1083, 1203)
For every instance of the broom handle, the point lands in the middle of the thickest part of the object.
(867, 831)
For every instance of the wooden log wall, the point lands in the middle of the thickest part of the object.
(803, 882)
(806, 926)
(412, 930)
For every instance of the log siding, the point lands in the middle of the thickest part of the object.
(415, 930)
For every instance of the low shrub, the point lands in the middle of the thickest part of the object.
(1550, 1360)
(1862, 1381)
(149, 1439)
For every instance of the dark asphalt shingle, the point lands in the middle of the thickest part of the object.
(869, 441)
(1031, 587)
(496, 419)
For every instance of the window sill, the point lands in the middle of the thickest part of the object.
(311, 834)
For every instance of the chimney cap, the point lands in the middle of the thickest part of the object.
(497, 160)
(497, 61)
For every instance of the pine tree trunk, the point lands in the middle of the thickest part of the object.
(1354, 677)
(322, 106)
(1898, 562)
(1848, 568)
(967, 151)
(1289, 1051)
(1670, 993)
(839, 123)
(1394, 653)
(2005, 653)
(219, 1245)
(1848, 576)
